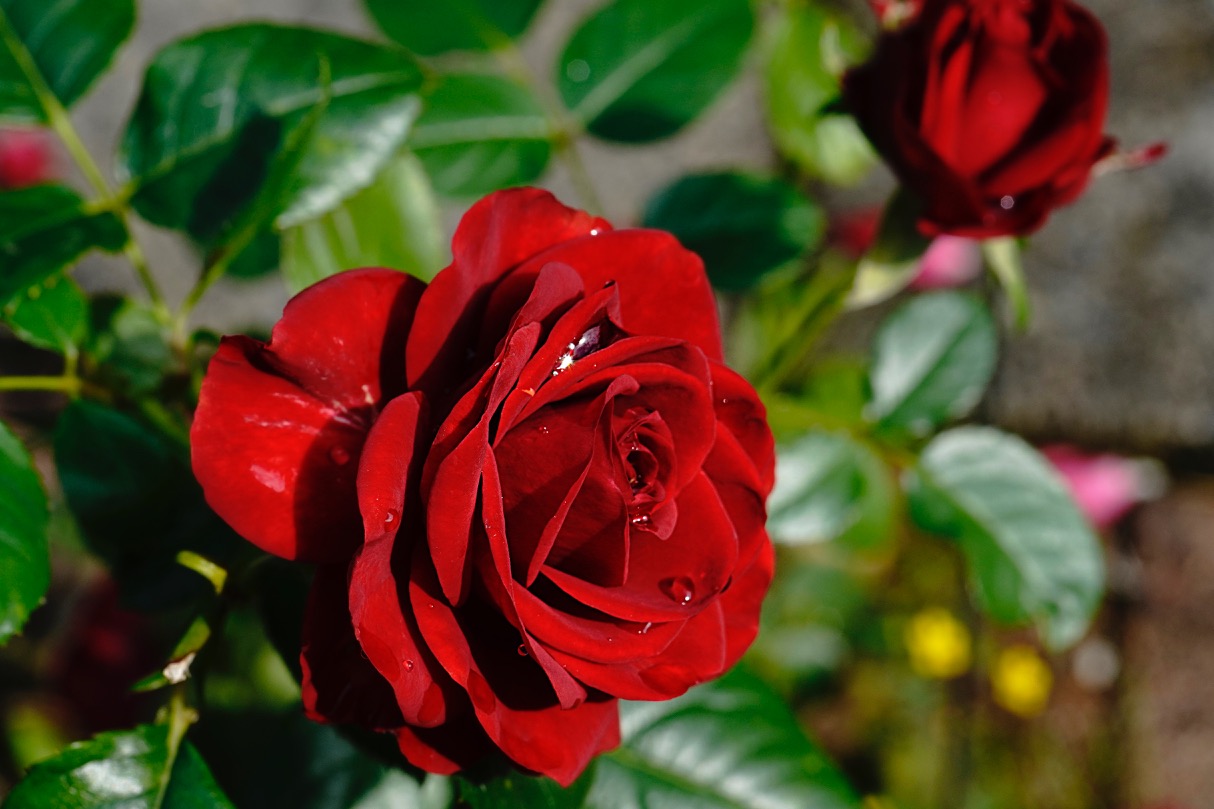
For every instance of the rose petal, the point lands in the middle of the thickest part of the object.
(279, 427)
(499, 232)
(742, 602)
(339, 685)
(447, 749)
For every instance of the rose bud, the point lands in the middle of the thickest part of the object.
(990, 111)
(25, 158)
(531, 488)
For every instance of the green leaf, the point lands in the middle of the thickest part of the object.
(394, 223)
(53, 314)
(891, 262)
(729, 744)
(830, 487)
(1031, 554)
(1003, 257)
(125, 769)
(932, 360)
(129, 344)
(517, 790)
(808, 53)
(743, 226)
(639, 70)
(137, 503)
(431, 28)
(45, 229)
(304, 765)
(480, 133)
(25, 568)
(215, 109)
(66, 45)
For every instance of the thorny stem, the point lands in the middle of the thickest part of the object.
(59, 120)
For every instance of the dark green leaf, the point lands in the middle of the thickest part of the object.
(129, 342)
(304, 765)
(829, 487)
(53, 314)
(261, 257)
(394, 222)
(137, 503)
(638, 70)
(729, 744)
(517, 790)
(932, 359)
(890, 264)
(215, 109)
(67, 43)
(743, 226)
(125, 769)
(430, 28)
(45, 229)
(25, 568)
(1031, 554)
(809, 52)
(480, 133)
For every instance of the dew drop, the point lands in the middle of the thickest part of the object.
(595, 232)
(391, 516)
(642, 521)
(522, 649)
(339, 456)
(645, 630)
(678, 589)
(1007, 203)
(544, 430)
(408, 665)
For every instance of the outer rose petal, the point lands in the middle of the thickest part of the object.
(497, 233)
(339, 685)
(446, 749)
(279, 427)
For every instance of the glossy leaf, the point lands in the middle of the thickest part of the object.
(215, 108)
(830, 487)
(129, 344)
(809, 50)
(932, 360)
(743, 226)
(638, 70)
(120, 769)
(891, 262)
(515, 790)
(1031, 554)
(430, 28)
(393, 223)
(25, 568)
(480, 133)
(137, 503)
(53, 315)
(729, 744)
(45, 229)
(67, 44)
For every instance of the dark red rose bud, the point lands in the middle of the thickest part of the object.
(991, 111)
(26, 158)
(533, 486)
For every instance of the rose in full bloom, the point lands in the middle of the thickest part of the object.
(531, 488)
(991, 111)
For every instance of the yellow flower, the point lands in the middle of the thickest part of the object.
(938, 644)
(1021, 680)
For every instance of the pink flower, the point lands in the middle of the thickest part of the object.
(950, 261)
(1105, 487)
(25, 158)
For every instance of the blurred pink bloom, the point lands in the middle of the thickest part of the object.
(1105, 487)
(950, 261)
(26, 158)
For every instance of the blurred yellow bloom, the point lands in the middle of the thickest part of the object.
(1021, 680)
(938, 644)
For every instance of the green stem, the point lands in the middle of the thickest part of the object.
(565, 128)
(215, 269)
(70, 385)
(180, 717)
(59, 120)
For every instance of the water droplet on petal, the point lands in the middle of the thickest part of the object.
(339, 456)
(522, 649)
(678, 589)
(1007, 203)
(646, 628)
(642, 521)
(409, 665)
(544, 430)
(391, 516)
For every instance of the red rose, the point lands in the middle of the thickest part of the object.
(991, 111)
(531, 487)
